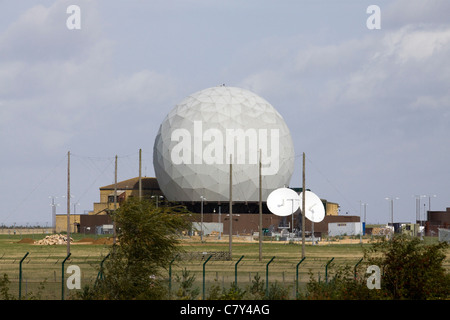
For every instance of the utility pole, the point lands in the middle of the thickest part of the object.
(303, 207)
(231, 210)
(260, 208)
(201, 217)
(115, 200)
(140, 174)
(68, 202)
(53, 204)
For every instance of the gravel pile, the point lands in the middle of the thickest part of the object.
(54, 239)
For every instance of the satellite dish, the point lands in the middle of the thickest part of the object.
(314, 209)
(283, 202)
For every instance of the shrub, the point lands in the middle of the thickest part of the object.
(410, 269)
(147, 241)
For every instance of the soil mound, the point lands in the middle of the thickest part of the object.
(103, 241)
(26, 240)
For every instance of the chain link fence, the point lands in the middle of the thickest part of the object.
(45, 277)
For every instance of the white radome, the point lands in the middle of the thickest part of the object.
(192, 149)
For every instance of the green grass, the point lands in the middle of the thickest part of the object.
(44, 263)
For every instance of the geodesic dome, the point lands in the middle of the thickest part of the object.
(211, 128)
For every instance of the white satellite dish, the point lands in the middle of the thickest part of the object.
(283, 202)
(314, 209)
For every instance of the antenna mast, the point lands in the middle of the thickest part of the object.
(303, 207)
(115, 200)
(140, 174)
(231, 209)
(68, 202)
(260, 208)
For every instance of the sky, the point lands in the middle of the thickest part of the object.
(369, 107)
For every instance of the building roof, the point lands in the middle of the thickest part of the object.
(148, 183)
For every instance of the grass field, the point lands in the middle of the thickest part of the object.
(43, 264)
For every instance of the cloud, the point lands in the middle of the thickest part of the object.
(415, 12)
(368, 106)
(371, 110)
(57, 84)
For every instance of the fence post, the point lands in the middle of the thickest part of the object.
(296, 276)
(326, 270)
(62, 276)
(267, 276)
(170, 276)
(20, 275)
(100, 273)
(204, 263)
(235, 271)
(356, 265)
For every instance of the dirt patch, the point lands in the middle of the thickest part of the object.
(103, 241)
(26, 240)
(86, 240)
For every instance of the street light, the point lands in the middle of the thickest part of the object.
(429, 201)
(220, 222)
(54, 205)
(201, 225)
(361, 204)
(74, 207)
(392, 208)
(292, 229)
(418, 196)
(365, 209)
(161, 197)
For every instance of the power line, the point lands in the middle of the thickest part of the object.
(349, 203)
(34, 189)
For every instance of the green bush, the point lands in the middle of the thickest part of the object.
(409, 268)
(186, 290)
(147, 241)
(341, 286)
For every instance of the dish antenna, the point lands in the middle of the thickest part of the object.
(315, 211)
(283, 202)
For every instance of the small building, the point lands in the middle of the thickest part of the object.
(436, 220)
(245, 214)
(344, 229)
(99, 217)
(410, 229)
(126, 189)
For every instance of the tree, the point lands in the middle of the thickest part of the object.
(411, 269)
(148, 239)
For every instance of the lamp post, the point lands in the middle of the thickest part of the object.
(201, 215)
(365, 208)
(74, 207)
(54, 205)
(220, 222)
(364, 220)
(392, 208)
(160, 197)
(292, 228)
(418, 196)
(429, 201)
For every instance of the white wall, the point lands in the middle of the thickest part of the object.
(344, 228)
